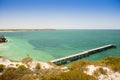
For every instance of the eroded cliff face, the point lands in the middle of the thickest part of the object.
(2, 39)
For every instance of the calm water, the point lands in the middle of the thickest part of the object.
(48, 45)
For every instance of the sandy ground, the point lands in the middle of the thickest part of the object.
(32, 64)
(109, 76)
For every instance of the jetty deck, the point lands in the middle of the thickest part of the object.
(74, 57)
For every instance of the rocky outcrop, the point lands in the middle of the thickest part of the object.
(2, 39)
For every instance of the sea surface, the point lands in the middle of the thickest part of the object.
(48, 45)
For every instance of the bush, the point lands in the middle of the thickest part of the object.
(22, 68)
(2, 67)
(112, 62)
(38, 66)
(26, 60)
(80, 65)
(100, 71)
(17, 65)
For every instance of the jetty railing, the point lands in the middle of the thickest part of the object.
(77, 56)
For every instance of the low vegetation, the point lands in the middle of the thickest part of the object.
(99, 71)
(112, 62)
(2, 68)
(26, 60)
(22, 68)
(76, 71)
(71, 75)
(79, 65)
(14, 74)
(38, 66)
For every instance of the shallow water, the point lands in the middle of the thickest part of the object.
(48, 45)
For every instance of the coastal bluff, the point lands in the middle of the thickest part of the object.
(2, 39)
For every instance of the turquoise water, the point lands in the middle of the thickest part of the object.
(48, 45)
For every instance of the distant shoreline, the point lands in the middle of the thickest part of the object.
(19, 30)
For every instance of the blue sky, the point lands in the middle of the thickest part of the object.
(60, 14)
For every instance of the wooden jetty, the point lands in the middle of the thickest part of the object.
(77, 56)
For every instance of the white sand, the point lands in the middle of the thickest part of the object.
(9, 63)
(32, 64)
(110, 74)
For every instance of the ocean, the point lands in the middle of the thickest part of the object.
(51, 44)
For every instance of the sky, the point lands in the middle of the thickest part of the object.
(60, 14)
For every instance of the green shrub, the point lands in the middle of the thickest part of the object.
(38, 66)
(22, 68)
(2, 67)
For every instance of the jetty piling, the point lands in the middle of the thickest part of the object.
(77, 56)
